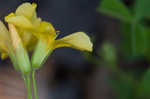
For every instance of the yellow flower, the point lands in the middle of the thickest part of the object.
(24, 17)
(30, 26)
(46, 45)
(26, 22)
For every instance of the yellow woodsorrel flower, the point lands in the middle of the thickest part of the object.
(46, 45)
(26, 22)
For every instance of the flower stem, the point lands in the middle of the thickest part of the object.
(25, 80)
(34, 84)
(28, 85)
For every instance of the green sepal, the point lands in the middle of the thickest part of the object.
(23, 60)
(20, 53)
(40, 54)
(13, 60)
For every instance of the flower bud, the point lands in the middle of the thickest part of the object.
(20, 53)
(41, 54)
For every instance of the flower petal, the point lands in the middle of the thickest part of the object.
(46, 27)
(19, 21)
(78, 40)
(4, 37)
(4, 56)
(26, 9)
(45, 31)
(28, 39)
(4, 34)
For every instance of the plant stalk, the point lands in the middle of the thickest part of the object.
(28, 86)
(34, 84)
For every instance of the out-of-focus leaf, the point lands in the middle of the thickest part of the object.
(147, 54)
(142, 9)
(141, 38)
(116, 9)
(144, 87)
(123, 87)
(109, 55)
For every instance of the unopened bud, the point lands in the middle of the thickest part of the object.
(20, 52)
(41, 54)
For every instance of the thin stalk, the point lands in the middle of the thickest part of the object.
(28, 85)
(133, 38)
(25, 80)
(34, 84)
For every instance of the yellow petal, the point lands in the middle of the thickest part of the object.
(3, 47)
(46, 27)
(20, 21)
(34, 5)
(36, 21)
(45, 31)
(4, 37)
(4, 56)
(9, 16)
(4, 34)
(28, 40)
(26, 9)
(78, 40)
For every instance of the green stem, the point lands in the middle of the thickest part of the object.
(28, 85)
(133, 38)
(25, 80)
(34, 84)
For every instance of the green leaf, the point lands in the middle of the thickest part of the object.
(144, 88)
(116, 9)
(141, 39)
(142, 9)
(123, 87)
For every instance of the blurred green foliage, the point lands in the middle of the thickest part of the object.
(134, 45)
(126, 84)
(108, 52)
(134, 29)
(116, 9)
